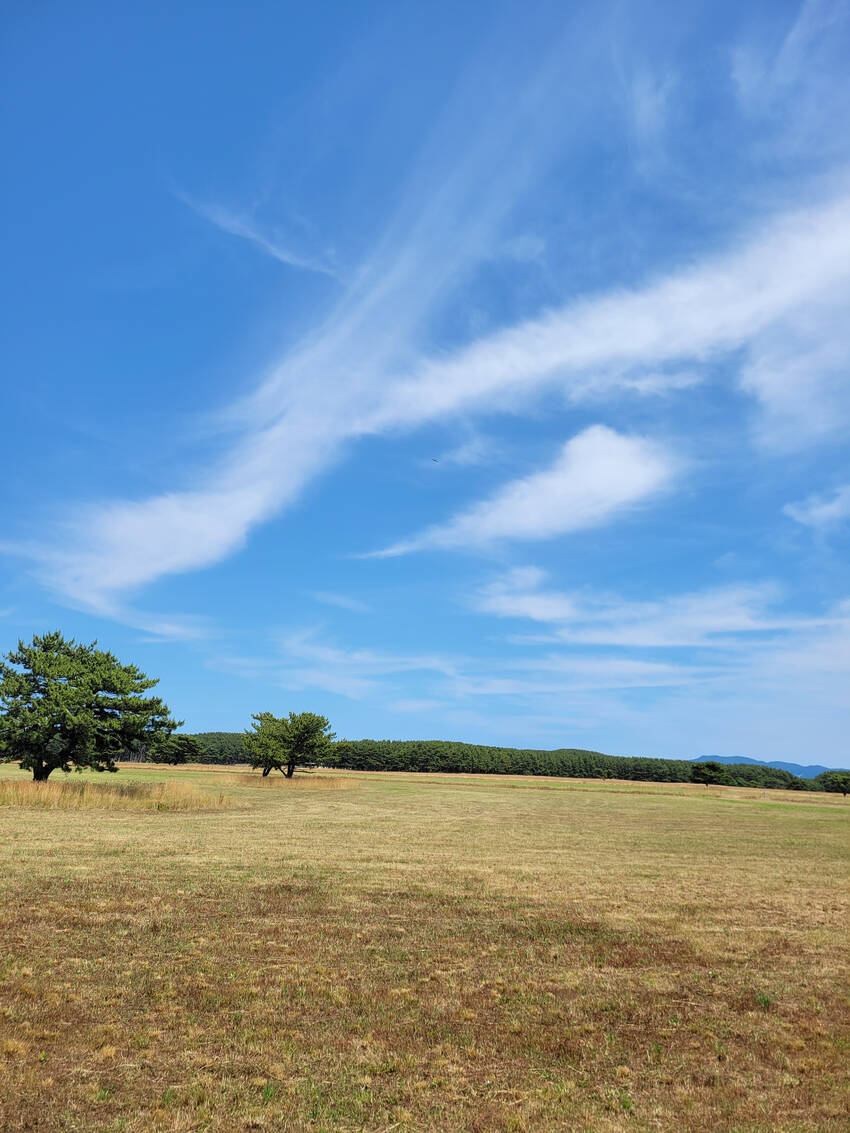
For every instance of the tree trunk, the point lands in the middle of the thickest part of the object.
(40, 773)
(290, 770)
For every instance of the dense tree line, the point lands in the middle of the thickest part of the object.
(220, 747)
(444, 755)
(447, 756)
(440, 755)
(203, 747)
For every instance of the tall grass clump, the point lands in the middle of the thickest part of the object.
(109, 796)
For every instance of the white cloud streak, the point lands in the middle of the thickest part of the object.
(341, 601)
(304, 661)
(795, 81)
(340, 386)
(597, 345)
(771, 305)
(475, 450)
(821, 511)
(758, 679)
(713, 618)
(743, 646)
(598, 474)
(308, 662)
(236, 224)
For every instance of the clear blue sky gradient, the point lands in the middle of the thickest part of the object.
(475, 371)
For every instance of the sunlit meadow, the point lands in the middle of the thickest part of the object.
(373, 952)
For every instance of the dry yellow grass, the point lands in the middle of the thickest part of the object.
(300, 782)
(92, 795)
(428, 952)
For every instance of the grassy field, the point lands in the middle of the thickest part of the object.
(398, 952)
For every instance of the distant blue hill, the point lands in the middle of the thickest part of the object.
(804, 771)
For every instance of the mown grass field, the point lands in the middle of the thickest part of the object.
(391, 952)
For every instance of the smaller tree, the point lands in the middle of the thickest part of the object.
(835, 781)
(709, 773)
(280, 743)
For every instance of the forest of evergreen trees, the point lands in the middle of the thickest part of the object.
(437, 755)
(221, 747)
(447, 756)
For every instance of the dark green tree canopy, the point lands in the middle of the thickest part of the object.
(709, 772)
(448, 756)
(175, 749)
(280, 743)
(834, 781)
(220, 747)
(65, 704)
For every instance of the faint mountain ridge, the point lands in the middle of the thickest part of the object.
(804, 771)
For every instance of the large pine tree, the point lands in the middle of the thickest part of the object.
(64, 705)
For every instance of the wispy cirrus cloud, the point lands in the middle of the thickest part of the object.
(597, 346)
(726, 658)
(821, 510)
(649, 98)
(742, 643)
(270, 244)
(535, 679)
(598, 474)
(306, 661)
(590, 349)
(476, 449)
(716, 617)
(341, 601)
(768, 306)
(791, 81)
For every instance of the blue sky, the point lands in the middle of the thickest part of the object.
(469, 371)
